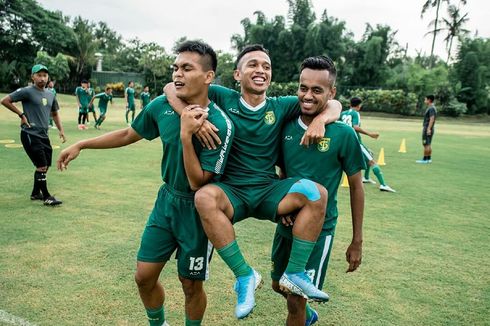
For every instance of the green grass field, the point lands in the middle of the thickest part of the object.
(425, 252)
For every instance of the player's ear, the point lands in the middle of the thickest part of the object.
(333, 92)
(236, 75)
(209, 77)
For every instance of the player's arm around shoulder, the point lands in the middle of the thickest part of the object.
(316, 129)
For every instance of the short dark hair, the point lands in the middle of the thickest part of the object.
(430, 97)
(355, 101)
(210, 60)
(84, 81)
(250, 48)
(129, 82)
(108, 88)
(321, 62)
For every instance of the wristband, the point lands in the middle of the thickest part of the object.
(21, 115)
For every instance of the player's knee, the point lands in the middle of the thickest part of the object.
(191, 288)
(321, 203)
(143, 280)
(206, 199)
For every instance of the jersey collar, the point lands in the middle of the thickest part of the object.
(252, 108)
(302, 124)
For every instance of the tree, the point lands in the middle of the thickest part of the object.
(58, 66)
(454, 27)
(156, 64)
(431, 4)
(86, 46)
(25, 28)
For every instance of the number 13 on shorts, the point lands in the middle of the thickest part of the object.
(196, 263)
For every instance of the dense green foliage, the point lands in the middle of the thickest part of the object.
(375, 62)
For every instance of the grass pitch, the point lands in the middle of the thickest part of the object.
(425, 258)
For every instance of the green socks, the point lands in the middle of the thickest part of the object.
(300, 253)
(189, 322)
(366, 172)
(156, 316)
(377, 172)
(309, 311)
(233, 257)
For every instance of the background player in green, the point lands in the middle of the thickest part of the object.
(38, 104)
(129, 99)
(50, 87)
(91, 107)
(428, 129)
(186, 166)
(324, 162)
(145, 97)
(352, 117)
(250, 186)
(104, 99)
(83, 99)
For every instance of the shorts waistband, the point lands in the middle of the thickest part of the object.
(178, 193)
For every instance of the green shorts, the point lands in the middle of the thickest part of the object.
(260, 202)
(366, 153)
(91, 109)
(175, 225)
(317, 263)
(83, 109)
(102, 111)
(130, 107)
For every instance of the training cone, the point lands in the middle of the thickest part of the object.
(345, 181)
(403, 147)
(381, 158)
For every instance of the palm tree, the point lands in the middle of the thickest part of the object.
(454, 27)
(431, 4)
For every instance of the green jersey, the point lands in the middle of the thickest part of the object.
(130, 95)
(52, 90)
(104, 98)
(159, 119)
(323, 163)
(351, 118)
(145, 99)
(83, 96)
(255, 148)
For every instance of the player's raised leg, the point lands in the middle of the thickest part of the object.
(216, 212)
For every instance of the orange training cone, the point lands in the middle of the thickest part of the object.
(345, 181)
(403, 147)
(381, 158)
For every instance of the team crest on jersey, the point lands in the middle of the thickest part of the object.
(288, 137)
(270, 117)
(45, 101)
(324, 144)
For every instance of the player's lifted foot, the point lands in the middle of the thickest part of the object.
(386, 188)
(313, 316)
(364, 180)
(245, 287)
(51, 201)
(300, 284)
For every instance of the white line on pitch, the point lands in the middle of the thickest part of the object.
(13, 320)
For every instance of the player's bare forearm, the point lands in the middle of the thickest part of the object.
(57, 122)
(331, 112)
(431, 123)
(357, 206)
(7, 102)
(176, 103)
(196, 176)
(114, 139)
(316, 129)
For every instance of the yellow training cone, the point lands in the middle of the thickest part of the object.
(381, 158)
(345, 181)
(403, 147)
